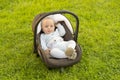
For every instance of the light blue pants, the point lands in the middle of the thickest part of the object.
(59, 47)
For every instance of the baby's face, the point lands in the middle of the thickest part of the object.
(48, 26)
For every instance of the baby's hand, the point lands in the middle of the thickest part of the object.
(57, 24)
(47, 51)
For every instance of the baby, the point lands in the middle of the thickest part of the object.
(52, 41)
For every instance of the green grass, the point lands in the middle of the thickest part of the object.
(99, 37)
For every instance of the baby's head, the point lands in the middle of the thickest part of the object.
(48, 25)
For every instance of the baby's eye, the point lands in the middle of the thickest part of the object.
(51, 26)
(46, 26)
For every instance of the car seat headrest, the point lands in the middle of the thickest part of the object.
(57, 18)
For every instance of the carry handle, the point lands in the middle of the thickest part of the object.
(58, 12)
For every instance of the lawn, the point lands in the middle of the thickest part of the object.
(99, 37)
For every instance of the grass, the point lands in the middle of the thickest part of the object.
(99, 37)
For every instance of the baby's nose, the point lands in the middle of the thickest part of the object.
(49, 27)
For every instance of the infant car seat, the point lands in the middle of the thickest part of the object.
(58, 16)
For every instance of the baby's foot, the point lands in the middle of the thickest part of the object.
(74, 55)
(71, 53)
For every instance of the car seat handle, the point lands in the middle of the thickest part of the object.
(58, 12)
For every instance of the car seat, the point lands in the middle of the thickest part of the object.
(58, 16)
